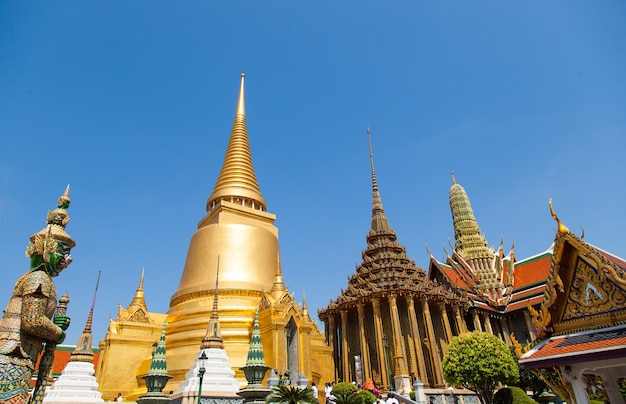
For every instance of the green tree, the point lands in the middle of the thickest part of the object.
(366, 397)
(344, 388)
(348, 393)
(479, 361)
(289, 394)
(529, 380)
(512, 395)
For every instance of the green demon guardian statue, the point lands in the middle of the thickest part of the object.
(29, 321)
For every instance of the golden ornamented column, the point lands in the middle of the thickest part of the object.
(380, 349)
(365, 352)
(446, 322)
(434, 353)
(488, 327)
(529, 325)
(345, 360)
(304, 348)
(476, 319)
(505, 331)
(399, 351)
(417, 340)
(332, 342)
(460, 322)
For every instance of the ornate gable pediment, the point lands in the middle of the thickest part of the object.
(139, 316)
(585, 290)
(591, 294)
(265, 302)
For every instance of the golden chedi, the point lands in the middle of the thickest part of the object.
(238, 235)
(238, 239)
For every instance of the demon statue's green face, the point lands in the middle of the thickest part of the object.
(58, 260)
(46, 250)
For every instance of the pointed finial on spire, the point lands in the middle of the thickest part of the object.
(139, 302)
(83, 351)
(213, 338)
(241, 104)
(305, 309)
(64, 200)
(237, 181)
(143, 269)
(278, 288)
(379, 219)
(453, 178)
(369, 140)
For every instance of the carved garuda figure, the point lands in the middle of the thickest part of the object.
(27, 323)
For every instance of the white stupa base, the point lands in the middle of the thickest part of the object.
(76, 384)
(218, 380)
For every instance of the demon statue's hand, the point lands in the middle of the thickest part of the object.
(61, 338)
(62, 321)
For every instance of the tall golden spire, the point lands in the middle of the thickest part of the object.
(237, 181)
(278, 288)
(138, 299)
(213, 337)
(305, 309)
(470, 243)
(240, 231)
(379, 219)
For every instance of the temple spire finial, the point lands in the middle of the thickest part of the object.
(141, 280)
(83, 351)
(305, 309)
(213, 337)
(379, 219)
(241, 104)
(453, 178)
(237, 181)
(139, 301)
(278, 288)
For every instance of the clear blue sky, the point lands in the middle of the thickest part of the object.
(132, 104)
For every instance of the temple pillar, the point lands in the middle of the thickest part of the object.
(380, 348)
(417, 340)
(401, 376)
(332, 341)
(529, 325)
(446, 322)
(488, 327)
(304, 348)
(476, 319)
(461, 326)
(345, 359)
(365, 354)
(432, 343)
(505, 331)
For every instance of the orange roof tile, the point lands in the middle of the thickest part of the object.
(453, 276)
(576, 348)
(532, 270)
